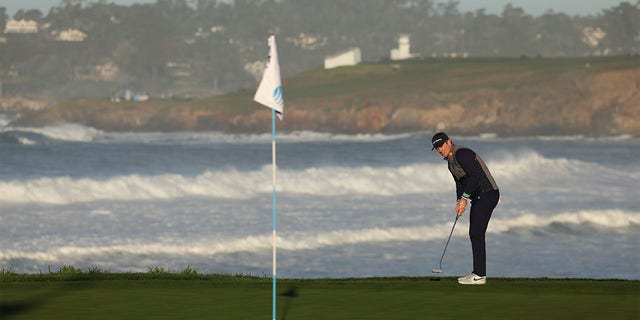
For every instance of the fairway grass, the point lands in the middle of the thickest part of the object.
(371, 298)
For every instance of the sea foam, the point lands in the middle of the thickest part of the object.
(611, 220)
(62, 131)
(527, 172)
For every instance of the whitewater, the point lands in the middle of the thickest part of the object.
(348, 205)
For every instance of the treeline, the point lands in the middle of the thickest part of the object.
(181, 47)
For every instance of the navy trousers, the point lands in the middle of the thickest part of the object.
(481, 209)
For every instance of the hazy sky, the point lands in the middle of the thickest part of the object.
(534, 7)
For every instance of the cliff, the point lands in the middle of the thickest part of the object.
(591, 96)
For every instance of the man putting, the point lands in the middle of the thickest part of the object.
(474, 184)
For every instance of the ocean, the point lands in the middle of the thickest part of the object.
(369, 205)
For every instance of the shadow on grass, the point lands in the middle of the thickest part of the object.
(12, 308)
(290, 294)
(9, 309)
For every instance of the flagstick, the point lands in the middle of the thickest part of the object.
(269, 94)
(273, 160)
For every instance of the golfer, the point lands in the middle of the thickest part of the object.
(475, 187)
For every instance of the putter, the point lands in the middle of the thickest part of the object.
(439, 270)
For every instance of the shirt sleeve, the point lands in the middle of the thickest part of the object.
(467, 160)
(458, 189)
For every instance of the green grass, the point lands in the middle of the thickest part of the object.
(406, 78)
(442, 75)
(92, 294)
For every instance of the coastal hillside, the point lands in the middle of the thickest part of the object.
(590, 96)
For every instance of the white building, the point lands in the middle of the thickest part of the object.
(592, 36)
(256, 69)
(71, 35)
(404, 49)
(21, 26)
(350, 57)
(107, 71)
(308, 41)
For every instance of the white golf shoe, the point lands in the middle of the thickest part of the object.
(472, 278)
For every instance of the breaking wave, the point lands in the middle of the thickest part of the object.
(61, 132)
(607, 219)
(72, 132)
(528, 172)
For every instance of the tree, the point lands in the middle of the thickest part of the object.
(622, 26)
(557, 34)
(517, 36)
(3, 17)
(143, 38)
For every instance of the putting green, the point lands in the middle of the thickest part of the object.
(376, 298)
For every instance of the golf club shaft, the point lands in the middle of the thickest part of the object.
(447, 244)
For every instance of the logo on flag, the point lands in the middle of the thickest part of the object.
(269, 91)
(277, 96)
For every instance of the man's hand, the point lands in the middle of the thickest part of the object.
(461, 206)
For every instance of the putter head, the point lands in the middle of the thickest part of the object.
(436, 271)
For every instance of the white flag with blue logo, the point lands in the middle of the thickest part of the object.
(269, 91)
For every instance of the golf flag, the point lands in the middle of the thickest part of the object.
(269, 94)
(269, 91)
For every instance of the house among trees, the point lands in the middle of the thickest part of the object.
(592, 36)
(404, 49)
(107, 71)
(308, 41)
(71, 35)
(21, 26)
(350, 57)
